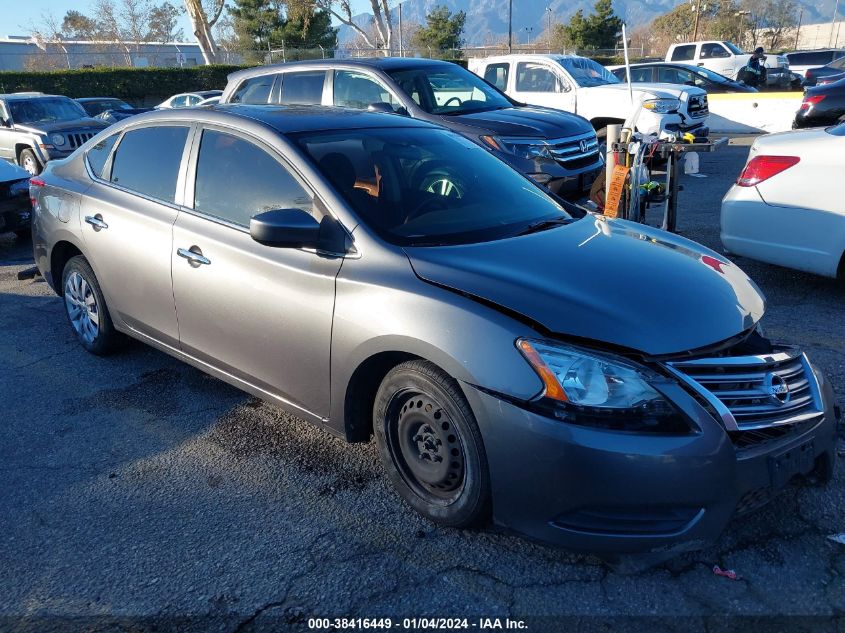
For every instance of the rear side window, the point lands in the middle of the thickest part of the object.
(638, 75)
(147, 161)
(816, 58)
(255, 90)
(237, 179)
(497, 74)
(99, 154)
(531, 77)
(305, 88)
(683, 53)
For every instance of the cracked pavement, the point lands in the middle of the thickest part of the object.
(136, 492)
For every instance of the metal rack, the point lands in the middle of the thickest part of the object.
(671, 152)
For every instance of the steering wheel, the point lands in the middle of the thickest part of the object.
(451, 99)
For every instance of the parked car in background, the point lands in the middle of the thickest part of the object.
(727, 59)
(682, 74)
(801, 61)
(812, 75)
(580, 85)
(822, 105)
(36, 128)
(556, 149)
(771, 215)
(15, 207)
(109, 109)
(382, 276)
(188, 99)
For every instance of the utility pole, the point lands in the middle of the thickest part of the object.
(510, 26)
(798, 30)
(697, 6)
(833, 22)
(401, 47)
(549, 29)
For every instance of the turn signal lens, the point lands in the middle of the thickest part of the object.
(554, 390)
(762, 168)
(491, 142)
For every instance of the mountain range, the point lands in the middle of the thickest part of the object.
(487, 20)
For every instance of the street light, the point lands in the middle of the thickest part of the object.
(549, 28)
(529, 29)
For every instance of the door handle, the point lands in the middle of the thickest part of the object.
(194, 258)
(96, 221)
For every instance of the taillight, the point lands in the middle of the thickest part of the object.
(762, 168)
(34, 182)
(810, 100)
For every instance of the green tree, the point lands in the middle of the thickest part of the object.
(77, 26)
(443, 31)
(255, 23)
(600, 29)
(308, 32)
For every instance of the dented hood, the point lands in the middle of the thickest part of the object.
(607, 280)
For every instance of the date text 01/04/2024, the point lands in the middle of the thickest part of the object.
(415, 624)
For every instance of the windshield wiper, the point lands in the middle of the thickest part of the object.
(543, 225)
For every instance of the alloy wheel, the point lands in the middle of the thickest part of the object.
(82, 308)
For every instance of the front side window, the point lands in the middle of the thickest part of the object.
(531, 77)
(423, 186)
(683, 53)
(180, 101)
(45, 110)
(237, 179)
(449, 89)
(304, 88)
(586, 72)
(256, 90)
(709, 51)
(669, 75)
(497, 74)
(147, 161)
(99, 154)
(357, 90)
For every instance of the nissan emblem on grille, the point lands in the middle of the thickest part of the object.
(777, 388)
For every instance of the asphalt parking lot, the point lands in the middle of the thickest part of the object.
(138, 492)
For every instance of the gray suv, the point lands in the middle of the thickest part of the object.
(554, 148)
(593, 383)
(36, 128)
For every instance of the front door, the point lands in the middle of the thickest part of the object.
(259, 313)
(536, 83)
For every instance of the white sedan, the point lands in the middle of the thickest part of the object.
(788, 205)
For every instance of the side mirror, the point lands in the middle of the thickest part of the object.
(381, 106)
(285, 228)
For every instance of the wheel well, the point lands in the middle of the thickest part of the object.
(19, 148)
(62, 252)
(361, 393)
(601, 123)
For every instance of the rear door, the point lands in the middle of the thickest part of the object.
(128, 215)
(261, 314)
(303, 87)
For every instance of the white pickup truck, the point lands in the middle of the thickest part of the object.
(580, 85)
(726, 59)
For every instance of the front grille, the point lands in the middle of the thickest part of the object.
(753, 392)
(78, 138)
(698, 107)
(754, 438)
(575, 153)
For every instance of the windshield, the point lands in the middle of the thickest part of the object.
(424, 187)
(449, 89)
(94, 108)
(586, 72)
(45, 110)
(733, 48)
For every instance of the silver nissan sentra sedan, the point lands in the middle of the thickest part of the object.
(591, 383)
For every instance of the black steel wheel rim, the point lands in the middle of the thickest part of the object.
(426, 447)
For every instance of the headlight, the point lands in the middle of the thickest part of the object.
(57, 139)
(662, 106)
(593, 389)
(529, 148)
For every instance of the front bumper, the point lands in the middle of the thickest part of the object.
(613, 493)
(571, 182)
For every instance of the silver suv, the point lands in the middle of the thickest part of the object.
(593, 383)
(36, 128)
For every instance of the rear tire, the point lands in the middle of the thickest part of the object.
(86, 308)
(430, 445)
(29, 161)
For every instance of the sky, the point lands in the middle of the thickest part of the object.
(19, 15)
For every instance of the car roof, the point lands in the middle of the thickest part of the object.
(383, 63)
(88, 99)
(288, 119)
(28, 95)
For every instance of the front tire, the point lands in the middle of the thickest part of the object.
(430, 445)
(86, 308)
(29, 161)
